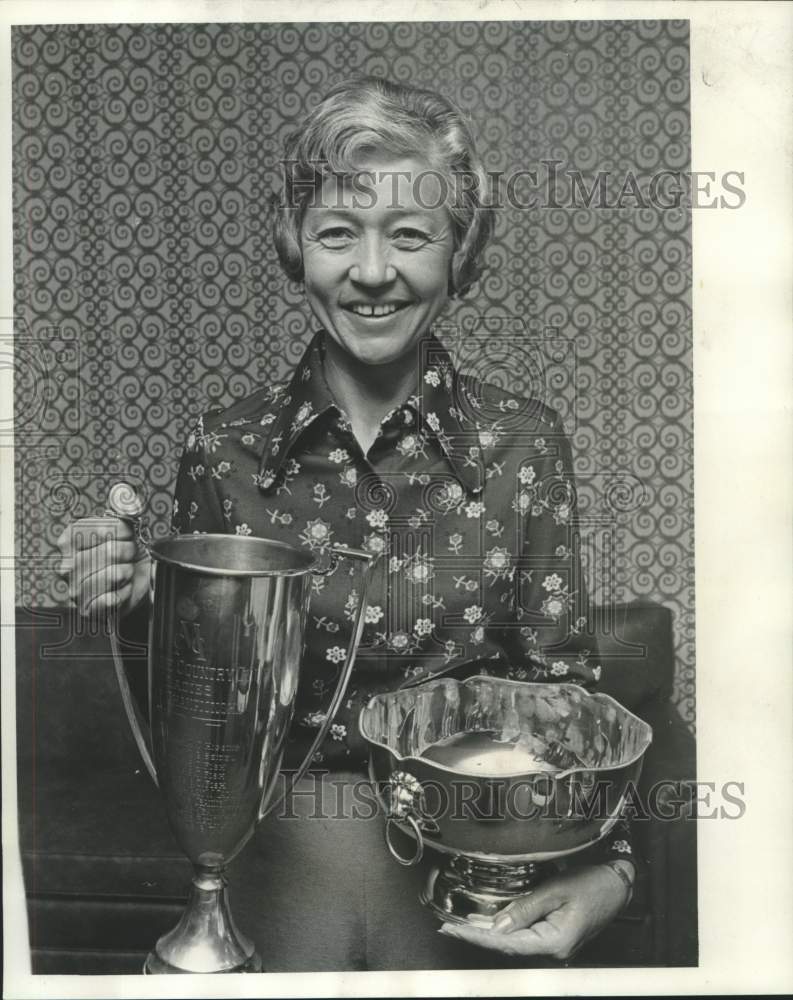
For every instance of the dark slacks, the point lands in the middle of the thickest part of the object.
(317, 890)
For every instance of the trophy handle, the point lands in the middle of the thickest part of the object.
(365, 558)
(134, 716)
(124, 503)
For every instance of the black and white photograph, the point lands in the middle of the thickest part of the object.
(360, 622)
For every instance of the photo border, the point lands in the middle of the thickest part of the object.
(742, 118)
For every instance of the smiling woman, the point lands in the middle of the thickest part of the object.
(375, 278)
(380, 236)
(377, 441)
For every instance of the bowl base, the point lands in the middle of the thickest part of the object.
(464, 890)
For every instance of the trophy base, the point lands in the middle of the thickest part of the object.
(465, 890)
(155, 966)
(205, 940)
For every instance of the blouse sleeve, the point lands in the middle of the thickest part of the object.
(547, 639)
(550, 641)
(196, 505)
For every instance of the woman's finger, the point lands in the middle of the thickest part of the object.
(88, 562)
(98, 539)
(64, 540)
(65, 568)
(90, 532)
(106, 579)
(526, 942)
(106, 601)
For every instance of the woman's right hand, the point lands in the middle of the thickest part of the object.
(104, 565)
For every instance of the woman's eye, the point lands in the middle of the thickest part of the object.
(335, 237)
(410, 239)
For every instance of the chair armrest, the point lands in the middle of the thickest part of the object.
(673, 754)
(668, 838)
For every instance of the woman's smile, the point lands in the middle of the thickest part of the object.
(375, 310)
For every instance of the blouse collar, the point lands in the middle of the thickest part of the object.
(443, 405)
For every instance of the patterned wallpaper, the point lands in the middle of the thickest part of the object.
(146, 287)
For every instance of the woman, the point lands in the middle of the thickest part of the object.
(462, 491)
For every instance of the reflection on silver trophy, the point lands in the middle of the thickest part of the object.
(225, 645)
(500, 778)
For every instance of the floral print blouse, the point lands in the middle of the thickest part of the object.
(469, 519)
(466, 499)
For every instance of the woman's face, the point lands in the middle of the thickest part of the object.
(377, 252)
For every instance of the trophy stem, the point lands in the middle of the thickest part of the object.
(464, 888)
(206, 938)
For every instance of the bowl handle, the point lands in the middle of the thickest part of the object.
(405, 802)
(419, 852)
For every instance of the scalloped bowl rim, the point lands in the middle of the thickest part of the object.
(596, 696)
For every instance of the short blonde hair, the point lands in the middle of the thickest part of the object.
(369, 114)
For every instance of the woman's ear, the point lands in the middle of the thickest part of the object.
(454, 270)
(457, 266)
(286, 238)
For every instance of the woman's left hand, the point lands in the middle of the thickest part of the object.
(555, 919)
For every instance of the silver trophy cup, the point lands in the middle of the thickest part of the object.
(225, 644)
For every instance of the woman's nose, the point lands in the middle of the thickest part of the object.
(372, 266)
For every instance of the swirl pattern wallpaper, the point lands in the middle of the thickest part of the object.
(146, 288)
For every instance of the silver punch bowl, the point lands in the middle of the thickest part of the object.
(499, 777)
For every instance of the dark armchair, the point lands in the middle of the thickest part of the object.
(104, 877)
